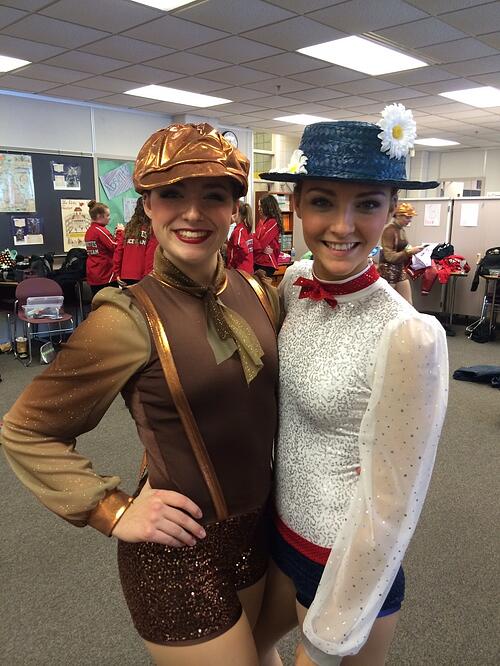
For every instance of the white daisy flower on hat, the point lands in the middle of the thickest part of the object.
(297, 163)
(399, 130)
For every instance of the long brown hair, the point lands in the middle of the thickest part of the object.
(138, 222)
(270, 208)
(245, 213)
(96, 208)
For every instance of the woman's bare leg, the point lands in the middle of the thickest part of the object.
(374, 651)
(277, 617)
(404, 288)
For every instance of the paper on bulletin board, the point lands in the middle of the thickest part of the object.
(17, 190)
(432, 215)
(117, 181)
(75, 219)
(27, 230)
(129, 205)
(469, 215)
(65, 176)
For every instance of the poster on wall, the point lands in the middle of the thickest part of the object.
(66, 176)
(27, 230)
(432, 215)
(17, 191)
(117, 181)
(469, 215)
(75, 221)
(129, 205)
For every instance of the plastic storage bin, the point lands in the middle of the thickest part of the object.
(43, 307)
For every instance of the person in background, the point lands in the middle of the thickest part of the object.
(239, 253)
(100, 244)
(396, 251)
(267, 236)
(363, 393)
(192, 348)
(135, 248)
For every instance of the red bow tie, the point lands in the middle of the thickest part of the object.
(319, 291)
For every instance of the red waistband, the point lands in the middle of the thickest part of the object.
(317, 554)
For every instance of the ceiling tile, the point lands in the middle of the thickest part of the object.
(276, 101)
(371, 108)
(422, 33)
(22, 48)
(239, 120)
(59, 33)
(175, 33)
(397, 95)
(287, 63)
(235, 16)
(280, 86)
(428, 101)
(124, 48)
(317, 94)
(187, 63)
(129, 101)
(173, 108)
(488, 79)
(461, 49)
(9, 82)
(470, 115)
(445, 86)
(446, 108)
(365, 86)
(357, 16)
(329, 76)
(111, 15)
(319, 109)
(352, 101)
(237, 74)
(143, 74)
(235, 50)
(75, 92)
(267, 114)
(238, 94)
(239, 108)
(477, 66)
(53, 74)
(492, 39)
(475, 21)
(304, 6)
(442, 6)
(9, 15)
(295, 33)
(199, 85)
(413, 77)
(107, 84)
(85, 62)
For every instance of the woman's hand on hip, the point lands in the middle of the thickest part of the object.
(160, 516)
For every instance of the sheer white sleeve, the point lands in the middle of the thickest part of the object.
(397, 442)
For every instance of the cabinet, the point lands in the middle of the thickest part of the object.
(285, 202)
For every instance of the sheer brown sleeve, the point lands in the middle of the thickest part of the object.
(389, 243)
(68, 399)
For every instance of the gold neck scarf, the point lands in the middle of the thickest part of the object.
(227, 331)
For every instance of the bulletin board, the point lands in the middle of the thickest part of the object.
(115, 203)
(48, 200)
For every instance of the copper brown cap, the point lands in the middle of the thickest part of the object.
(188, 151)
(405, 209)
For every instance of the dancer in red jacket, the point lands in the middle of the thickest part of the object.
(135, 248)
(240, 244)
(266, 241)
(100, 244)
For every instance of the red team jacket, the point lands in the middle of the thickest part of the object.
(267, 233)
(100, 244)
(133, 257)
(240, 249)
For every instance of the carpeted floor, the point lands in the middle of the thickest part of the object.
(60, 599)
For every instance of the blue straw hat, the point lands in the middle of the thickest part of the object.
(356, 152)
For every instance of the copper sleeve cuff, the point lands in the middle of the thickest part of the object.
(109, 511)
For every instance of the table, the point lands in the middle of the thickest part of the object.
(491, 279)
(449, 299)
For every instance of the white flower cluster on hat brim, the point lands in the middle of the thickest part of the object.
(297, 163)
(399, 131)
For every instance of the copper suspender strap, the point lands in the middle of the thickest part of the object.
(179, 397)
(261, 295)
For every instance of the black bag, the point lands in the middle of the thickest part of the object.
(442, 250)
(479, 331)
(490, 261)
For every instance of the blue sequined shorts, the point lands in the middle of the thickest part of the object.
(306, 575)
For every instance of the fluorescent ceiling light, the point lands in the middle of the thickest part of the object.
(363, 56)
(436, 142)
(7, 64)
(482, 97)
(166, 5)
(177, 96)
(303, 119)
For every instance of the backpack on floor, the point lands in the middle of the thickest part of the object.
(479, 331)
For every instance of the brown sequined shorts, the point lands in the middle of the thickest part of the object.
(392, 272)
(189, 594)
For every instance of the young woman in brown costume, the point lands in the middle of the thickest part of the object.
(192, 349)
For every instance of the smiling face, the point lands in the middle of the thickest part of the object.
(403, 220)
(191, 220)
(342, 223)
